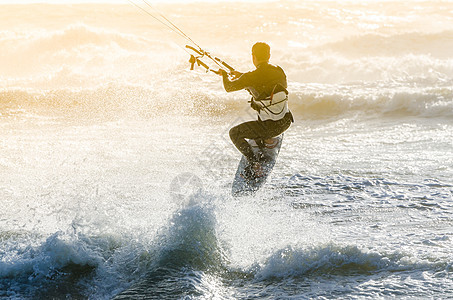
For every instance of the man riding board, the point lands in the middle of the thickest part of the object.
(267, 84)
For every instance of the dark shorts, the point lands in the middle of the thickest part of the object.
(257, 130)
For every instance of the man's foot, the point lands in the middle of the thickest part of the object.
(257, 169)
(247, 173)
(253, 170)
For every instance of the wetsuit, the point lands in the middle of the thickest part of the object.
(262, 83)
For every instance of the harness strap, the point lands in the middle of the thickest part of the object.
(269, 110)
(272, 94)
(266, 107)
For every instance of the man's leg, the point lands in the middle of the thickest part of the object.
(249, 130)
(257, 130)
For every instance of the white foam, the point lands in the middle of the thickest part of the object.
(328, 259)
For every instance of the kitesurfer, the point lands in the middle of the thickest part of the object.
(267, 84)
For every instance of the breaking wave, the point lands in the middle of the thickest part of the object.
(33, 268)
(72, 37)
(98, 71)
(100, 267)
(308, 101)
(323, 102)
(331, 259)
(187, 258)
(78, 56)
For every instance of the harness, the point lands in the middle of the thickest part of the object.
(274, 107)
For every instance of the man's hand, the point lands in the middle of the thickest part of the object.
(236, 74)
(221, 72)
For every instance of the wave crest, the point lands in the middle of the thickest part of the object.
(73, 36)
(308, 101)
(329, 259)
(326, 102)
(89, 50)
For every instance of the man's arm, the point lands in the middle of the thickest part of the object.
(236, 84)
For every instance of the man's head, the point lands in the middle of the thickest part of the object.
(261, 52)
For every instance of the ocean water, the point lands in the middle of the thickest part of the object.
(116, 166)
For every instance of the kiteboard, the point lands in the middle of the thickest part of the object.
(246, 182)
